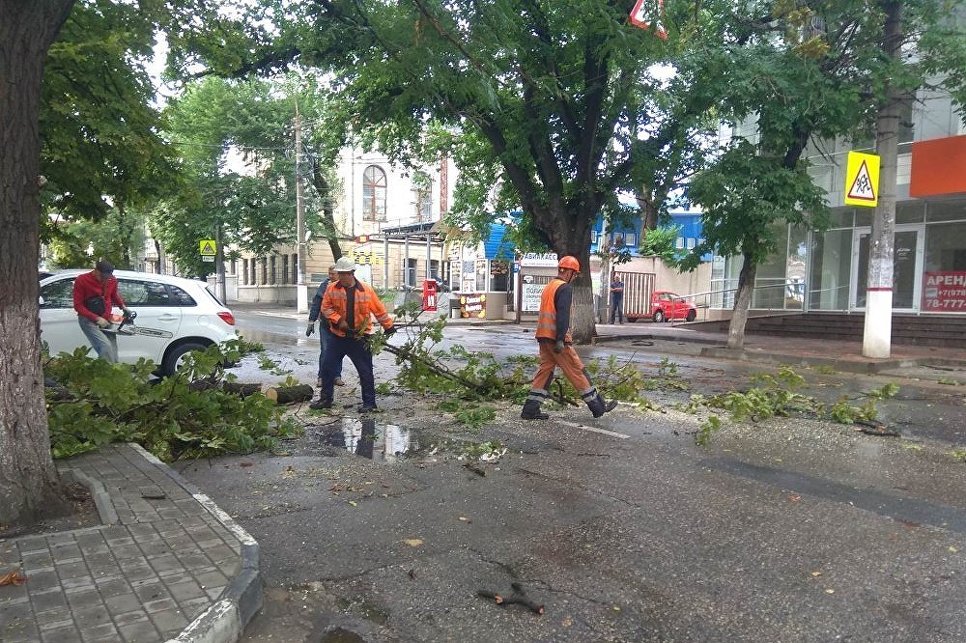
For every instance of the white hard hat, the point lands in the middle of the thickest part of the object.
(345, 264)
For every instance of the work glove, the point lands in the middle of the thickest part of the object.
(310, 329)
(559, 346)
(389, 332)
(102, 323)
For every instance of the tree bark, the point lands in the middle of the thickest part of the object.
(290, 394)
(877, 333)
(739, 315)
(29, 485)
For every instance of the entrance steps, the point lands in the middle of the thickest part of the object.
(918, 330)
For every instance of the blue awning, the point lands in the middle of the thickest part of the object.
(496, 246)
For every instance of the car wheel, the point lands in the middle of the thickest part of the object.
(175, 356)
(692, 314)
(658, 316)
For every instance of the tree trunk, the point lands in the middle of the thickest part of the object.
(289, 394)
(739, 315)
(324, 191)
(877, 334)
(573, 238)
(29, 485)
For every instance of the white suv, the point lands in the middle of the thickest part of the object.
(174, 316)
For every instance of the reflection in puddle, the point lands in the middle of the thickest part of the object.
(361, 438)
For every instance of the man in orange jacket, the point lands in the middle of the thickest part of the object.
(348, 306)
(556, 347)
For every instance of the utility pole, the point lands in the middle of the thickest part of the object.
(220, 291)
(877, 334)
(302, 294)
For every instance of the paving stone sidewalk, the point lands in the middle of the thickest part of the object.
(165, 564)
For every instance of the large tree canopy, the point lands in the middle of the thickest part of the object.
(560, 104)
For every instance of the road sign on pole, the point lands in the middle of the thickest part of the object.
(207, 247)
(862, 180)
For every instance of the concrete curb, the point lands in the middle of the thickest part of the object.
(102, 500)
(240, 601)
(842, 365)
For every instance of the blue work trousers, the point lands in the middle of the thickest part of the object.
(325, 335)
(105, 344)
(358, 351)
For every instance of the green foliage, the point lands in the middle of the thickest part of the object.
(707, 429)
(885, 392)
(472, 415)
(661, 242)
(483, 450)
(254, 209)
(246, 347)
(100, 131)
(266, 363)
(97, 402)
(776, 395)
(959, 454)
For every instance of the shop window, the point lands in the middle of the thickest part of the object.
(374, 194)
(945, 248)
(831, 269)
(946, 211)
(910, 211)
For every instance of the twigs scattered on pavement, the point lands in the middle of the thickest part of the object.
(517, 597)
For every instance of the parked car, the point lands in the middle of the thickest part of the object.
(666, 306)
(174, 317)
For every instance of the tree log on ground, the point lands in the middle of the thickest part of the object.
(290, 394)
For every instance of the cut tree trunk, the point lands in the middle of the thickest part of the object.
(29, 485)
(290, 394)
(242, 389)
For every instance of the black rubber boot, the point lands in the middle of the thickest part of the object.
(531, 411)
(321, 403)
(598, 406)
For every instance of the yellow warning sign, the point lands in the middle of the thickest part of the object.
(207, 247)
(862, 180)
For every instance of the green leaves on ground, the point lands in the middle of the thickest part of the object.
(183, 416)
(777, 396)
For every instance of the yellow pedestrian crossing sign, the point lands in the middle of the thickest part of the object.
(862, 180)
(207, 247)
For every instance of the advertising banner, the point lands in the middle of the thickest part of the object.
(944, 291)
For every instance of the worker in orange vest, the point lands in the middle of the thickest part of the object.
(556, 347)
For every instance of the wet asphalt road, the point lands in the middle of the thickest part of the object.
(784, 530)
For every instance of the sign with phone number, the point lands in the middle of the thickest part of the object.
(944, 291)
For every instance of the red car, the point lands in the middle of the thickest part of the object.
(666, 305)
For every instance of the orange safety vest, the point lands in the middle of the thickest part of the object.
(366, 303)
(547, 319)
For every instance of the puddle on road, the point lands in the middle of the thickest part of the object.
(366, 439)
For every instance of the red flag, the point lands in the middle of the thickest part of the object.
(639, 15)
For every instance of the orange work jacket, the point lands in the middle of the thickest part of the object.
(547, 319)
(366, 305)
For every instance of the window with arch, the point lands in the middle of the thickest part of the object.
(374, 194)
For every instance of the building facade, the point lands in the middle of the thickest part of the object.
(827, 271)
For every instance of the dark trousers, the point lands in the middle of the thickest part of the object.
(357, 351)
(325, 336)
(617, 309)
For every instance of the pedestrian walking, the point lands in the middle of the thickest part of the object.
(324, 332)
(616, 299)
(556, 347)
(349, 306)
(95, 294)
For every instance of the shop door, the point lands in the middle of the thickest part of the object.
(906, 267)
